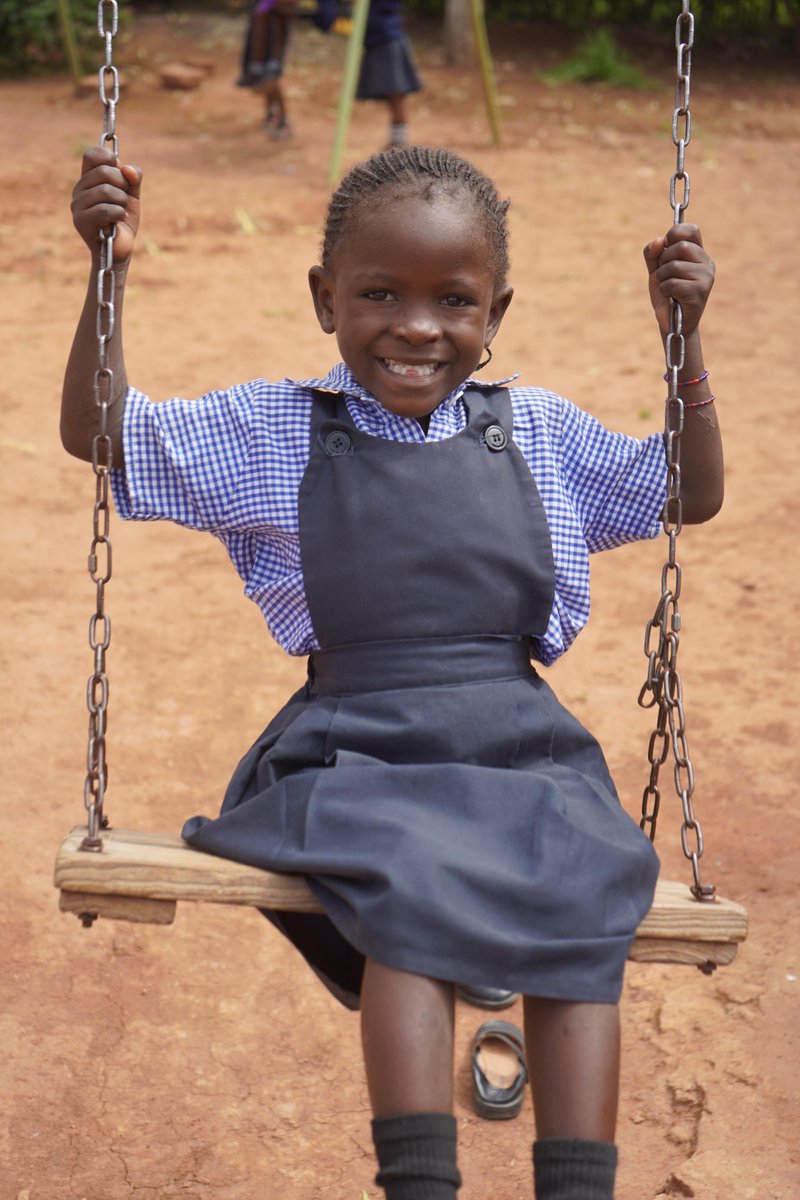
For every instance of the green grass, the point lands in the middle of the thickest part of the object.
(598, 59)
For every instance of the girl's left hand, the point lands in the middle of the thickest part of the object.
(680, 269)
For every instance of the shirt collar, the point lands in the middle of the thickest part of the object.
(341, 379)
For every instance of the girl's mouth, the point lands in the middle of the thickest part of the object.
(410, 370)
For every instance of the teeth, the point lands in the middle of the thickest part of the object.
(409, 370)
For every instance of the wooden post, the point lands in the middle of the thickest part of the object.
(70, 40)
(487, 72)
(352, 64)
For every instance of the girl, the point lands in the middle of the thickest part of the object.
(421, 536)
(388, 68)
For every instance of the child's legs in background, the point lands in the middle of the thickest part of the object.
(278, 40)
(275, 112)
(267, 41)
(259, 36)
(407, 1037)
(398, 109)
(269, 32)
(272, 70)
(398, 118)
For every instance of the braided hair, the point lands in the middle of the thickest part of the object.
(421, 171)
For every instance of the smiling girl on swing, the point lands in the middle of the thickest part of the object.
(423, 538)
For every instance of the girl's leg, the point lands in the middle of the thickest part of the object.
(278, 39)
(259, 34)
(398, 109)
(574, 1057)
(276, 119)
(407, 1036)
(398, 117)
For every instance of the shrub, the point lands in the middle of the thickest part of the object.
(598, 59)
(31, 34)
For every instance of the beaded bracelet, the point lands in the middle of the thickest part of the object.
(688, 382)
(700, 403)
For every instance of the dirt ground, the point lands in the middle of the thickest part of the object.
(202, 1060)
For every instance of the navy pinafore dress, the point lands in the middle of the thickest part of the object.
(453, 819)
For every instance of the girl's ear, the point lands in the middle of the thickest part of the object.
(321, 283)
(500, 303)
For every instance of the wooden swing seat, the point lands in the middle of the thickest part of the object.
(139, 876)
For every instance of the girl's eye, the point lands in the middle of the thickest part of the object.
(456, 301)
(377, 294)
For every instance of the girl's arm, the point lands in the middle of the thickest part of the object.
(680, 268)
(105, 194)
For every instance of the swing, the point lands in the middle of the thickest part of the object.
(140, 876)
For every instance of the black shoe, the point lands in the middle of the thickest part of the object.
(499, 1071)
(486, 997)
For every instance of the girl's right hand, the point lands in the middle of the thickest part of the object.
(107, 194)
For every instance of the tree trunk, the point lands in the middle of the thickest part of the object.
(459, 40)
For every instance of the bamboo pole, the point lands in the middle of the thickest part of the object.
(70, 40)
(352, 64)
(487, 72)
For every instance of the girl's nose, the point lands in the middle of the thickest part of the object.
(417, 324)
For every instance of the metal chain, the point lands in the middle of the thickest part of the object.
(99, 563)
(663, 687)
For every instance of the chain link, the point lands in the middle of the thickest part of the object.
(663, 688)
(100, 558)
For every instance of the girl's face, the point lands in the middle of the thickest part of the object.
(411, 296)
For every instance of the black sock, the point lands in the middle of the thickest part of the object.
(573, 1169)
(417, 1156)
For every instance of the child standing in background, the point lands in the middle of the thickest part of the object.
(422, 536)
(388, 69)
(263, 57)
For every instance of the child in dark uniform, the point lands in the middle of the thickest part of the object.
(420, 535)
(388, 69)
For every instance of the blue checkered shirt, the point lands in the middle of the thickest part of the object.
(231, 463)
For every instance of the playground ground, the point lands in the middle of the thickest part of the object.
(202, 1061)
